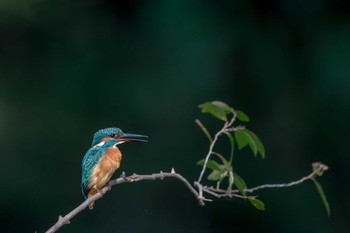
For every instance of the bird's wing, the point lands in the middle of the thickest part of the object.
(90, 160)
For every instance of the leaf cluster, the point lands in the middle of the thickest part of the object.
(239, 137)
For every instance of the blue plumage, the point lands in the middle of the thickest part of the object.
(103, 158)
(90, 160)
(108, 132)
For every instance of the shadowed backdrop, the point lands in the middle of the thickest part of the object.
(69, 68)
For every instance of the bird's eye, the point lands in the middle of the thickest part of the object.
(112, 135)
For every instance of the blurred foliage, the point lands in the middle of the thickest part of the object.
(69, 68)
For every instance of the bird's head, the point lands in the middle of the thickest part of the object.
(116, 134)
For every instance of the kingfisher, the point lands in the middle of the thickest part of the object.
(103, 159)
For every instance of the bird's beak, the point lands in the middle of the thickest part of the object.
(128, 137)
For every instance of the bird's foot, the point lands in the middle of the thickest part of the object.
(91, 205)
(130, 179)
(109, 187)
(99, 191)
(133, 178)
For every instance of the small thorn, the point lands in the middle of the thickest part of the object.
(59, 218)
(123, 175)
(173, 170)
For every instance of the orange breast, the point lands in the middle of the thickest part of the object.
(102, 173)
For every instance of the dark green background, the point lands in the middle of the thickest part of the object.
(69, 68)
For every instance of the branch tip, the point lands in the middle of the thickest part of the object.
(319, 168)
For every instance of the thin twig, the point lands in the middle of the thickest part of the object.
(227, 194)
(209, 153)
(204, 129)
(316, 171)
(134, 178)
(264, 186)
(211, 147)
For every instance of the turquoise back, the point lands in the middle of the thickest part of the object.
(90, 161)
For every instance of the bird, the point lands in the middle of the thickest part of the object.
(103, 159)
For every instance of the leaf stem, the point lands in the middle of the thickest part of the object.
(204, 129)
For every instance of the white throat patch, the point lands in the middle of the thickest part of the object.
(99, 144)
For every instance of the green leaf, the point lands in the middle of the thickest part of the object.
(227, 109)
(213, 110)
(257, 203)
(204, 129)
(214, 176)
(241, 139)
(323, 196)
(244, 138)
(211, 164)
(227, 165)
(258, 143)
(232, 141)
(242, 116)
(239, 183)
(217, 175)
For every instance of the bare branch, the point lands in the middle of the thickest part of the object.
(226, 194)
(130, 179)
(312, 175)
(209, 153)
(226, 126)
(318, 169)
